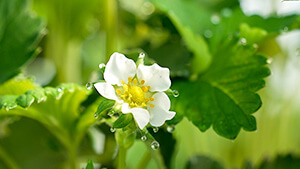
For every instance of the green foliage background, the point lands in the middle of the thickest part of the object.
(218, 56)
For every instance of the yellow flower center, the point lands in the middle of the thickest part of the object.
(135, 93)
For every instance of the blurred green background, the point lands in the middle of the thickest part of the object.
(82, 34)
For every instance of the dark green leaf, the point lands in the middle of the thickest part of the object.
(288, 161)
(225, 96)
(203, 162)
(123, 121)
(20, 33)
(105, 104)
(90, 165)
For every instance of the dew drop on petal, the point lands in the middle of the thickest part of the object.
(89, 85)
(112, 129)
(175, 93)
(144, 138)
(171, 128)
(155, 129)
(154, 145)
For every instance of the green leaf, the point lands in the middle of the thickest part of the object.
(104, 105)
(20, 33)
(225, 96)
(8, 102)
(90, 165)
(25, 100)
(122, 121)
(189, 18)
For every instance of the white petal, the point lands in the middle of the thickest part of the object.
(156, 77)
(119, 68)
(106, 90)
(140, 115)
(161, 100)
(158, 116)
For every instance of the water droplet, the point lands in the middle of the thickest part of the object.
(112, 129)
(270, 60)
(208, 33)
(155, 129)
(175, 93)
(111, 113)
(285, 29)
(89, 85)
(226, 12)
(59, 89)
(143, 138)
(154, 145)
(255, 45)
(243, 41)
(171, 128)
(215, 19)
(102, 65)
(96, 115)
(142, 55)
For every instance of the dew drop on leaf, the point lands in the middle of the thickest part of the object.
(89, 85)
(101, 66)
(154, 145)
(59, 89)
(175, 93)
(96, 116)
(155, 129)
(243, 41)
(112, 129)
(144, 138)
(111, 113)
(171, 128)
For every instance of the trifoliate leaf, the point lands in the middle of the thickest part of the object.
(104, 105)
(90, 165)
(122, 121)
(20, 33)
(225, 96)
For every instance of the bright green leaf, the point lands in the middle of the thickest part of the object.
(25, 100)
(8, 102)
(123, 121)
(20, 33)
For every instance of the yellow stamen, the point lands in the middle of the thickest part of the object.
(147, 99)
(125, 87)
(143, 82)
(145, 89)
(118, 91)
(148, 87)
(151, 99)
(129, 80)
(122, 82)
(151, 105)
(144, 104)
(134, 81)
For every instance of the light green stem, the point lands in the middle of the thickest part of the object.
(110, 27)
(122, 158)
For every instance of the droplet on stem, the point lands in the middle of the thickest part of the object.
(175, 93)
(155, 129)
(144, 138)
(171, 128)
(112, 129)
(96, 116)
(154, 145)
(141, 55)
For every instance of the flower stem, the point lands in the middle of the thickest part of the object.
(110, 27)
(144, 161)
(122, 158)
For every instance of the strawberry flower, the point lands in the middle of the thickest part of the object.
(138, 89)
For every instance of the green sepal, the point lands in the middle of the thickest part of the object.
(104, 105)
(25, 100)
(122, 121)
(90, 165)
